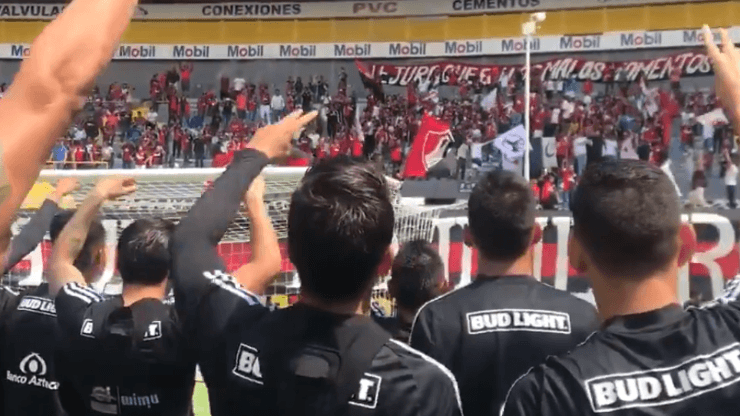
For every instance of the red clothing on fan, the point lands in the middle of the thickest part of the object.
(548, 189)
(297, 161)
(334, 150)
(536, 191)
(588, 87)
(567, 177)
(356, 148)
(396, 154)
(140, 157)
(222, 159)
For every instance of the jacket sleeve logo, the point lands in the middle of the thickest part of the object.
(154, 331)
(247, 364)
(87, 328)
(367, 392)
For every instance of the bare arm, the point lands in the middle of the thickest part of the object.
(726, 64)
(256, 275)
(33, 233)
(49, 87)
(72, 238)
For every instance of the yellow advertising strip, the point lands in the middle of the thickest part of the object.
(570, 22)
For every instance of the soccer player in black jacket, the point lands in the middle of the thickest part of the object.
(417, 276)
(27, 346)
(651, 357)
(126, 355)
(321, 356)
(492, 331)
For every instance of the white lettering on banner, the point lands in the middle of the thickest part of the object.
(692, 63)
(656, 387)
(518, 320)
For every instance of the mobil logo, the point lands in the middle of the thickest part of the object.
(407, 49)
(641, 39)
(137, 52)
(580, 42)
(19, 51)
(464, 48)
(697, 36)
(250, 51)
(517, 45)
(194, 51)
(297, 51)
(359, 49)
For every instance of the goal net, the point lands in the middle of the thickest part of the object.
(169, 194)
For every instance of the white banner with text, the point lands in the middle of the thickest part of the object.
(383, 50)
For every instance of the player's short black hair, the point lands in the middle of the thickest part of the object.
(143, 251)
(416, 271)
(627, 216)
(95, 237)
(340, 224)
(501, 213)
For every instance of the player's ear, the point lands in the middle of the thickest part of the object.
(687, 243)
(576, 256)
(536, 234)
(468, 238)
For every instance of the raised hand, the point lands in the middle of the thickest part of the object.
(66, 186)
(256, 192)
(276, 140)
(112, 188)
(726, 64)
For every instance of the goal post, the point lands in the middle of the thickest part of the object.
(169, 194)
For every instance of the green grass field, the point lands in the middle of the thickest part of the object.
(200, 400)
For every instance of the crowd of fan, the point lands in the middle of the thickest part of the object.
(617, 118)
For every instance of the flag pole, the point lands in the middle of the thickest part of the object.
(529, 28)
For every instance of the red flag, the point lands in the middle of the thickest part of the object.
(428, 148)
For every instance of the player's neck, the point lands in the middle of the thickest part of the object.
(622, 296)
(353, 307)
(523, 266)
(133, 293)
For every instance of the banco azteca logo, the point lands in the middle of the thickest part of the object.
(33, 365)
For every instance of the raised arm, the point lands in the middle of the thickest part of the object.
(49, 88)
(726, 64)
(196, 263)
(71, 240)
(256, 275)
(34, 231)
